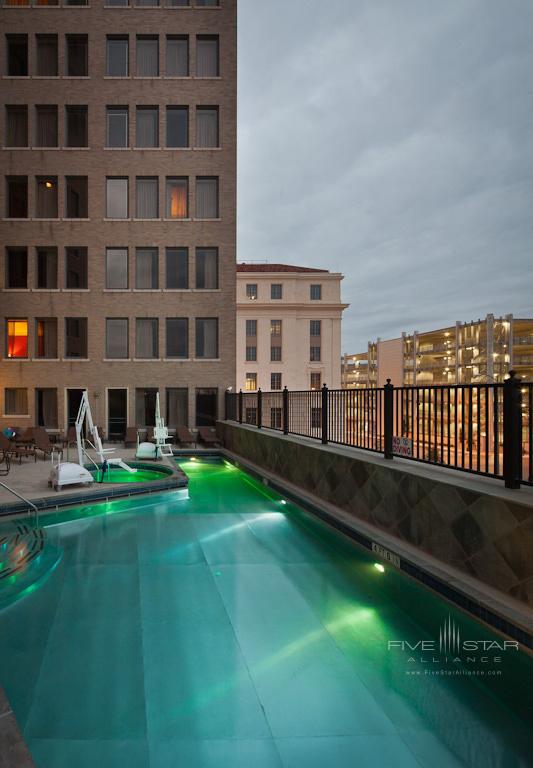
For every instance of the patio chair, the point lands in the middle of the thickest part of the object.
(70, 437)
(130, 438)
(16, 451)
(25, 437)
(42, 442)
(207, 436)
(5, 463)
(184, 436)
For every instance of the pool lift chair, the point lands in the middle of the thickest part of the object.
(70, 473)
(160, 447)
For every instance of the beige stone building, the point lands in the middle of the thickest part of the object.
(288, 327)
(118, 206)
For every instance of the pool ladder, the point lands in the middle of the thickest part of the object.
(21, 541)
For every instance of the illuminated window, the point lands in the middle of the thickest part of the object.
(177, 194)
(17, 338)
(251, 382)
(316, 380)
(275, 327)
(251, 291)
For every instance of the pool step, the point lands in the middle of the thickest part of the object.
(20, 544)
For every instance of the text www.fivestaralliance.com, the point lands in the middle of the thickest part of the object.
(454, 672)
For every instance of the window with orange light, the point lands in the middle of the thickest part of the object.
(177, 194)
(17, 338)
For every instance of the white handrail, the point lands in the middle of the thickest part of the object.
(24, 499)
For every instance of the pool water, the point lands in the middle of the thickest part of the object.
(117, 475)
(231, 629)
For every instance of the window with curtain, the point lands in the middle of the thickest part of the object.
(117, 57)
(17, 55)
(177, 56)
(145, 399)
(275, 327)
(77, 55)
(117, 198)
(46, 337)
(76, 337)
(116, 338)
(206, 197)
(147, 128)
(177, 193)
(46, 407)
(147, 56)
(117, 127)
(177, 127)
(17, 338)
(46, 197)
(146, 268)
(206, 337)
(250, 384)
(46, 55)
(207, 127)
(251, 291)
(17, 197)
(316, 380)
(207, 268)
(177, 268)
(76, 119)
(76, 197)
(16, 267)
(76, 273)
(147, 204)
(16, 126)
(177, 337)
(46, 267)
(177, 412)
(46, 125)
(146, 338)
(16, 401)
(116, 268)
(207, 56)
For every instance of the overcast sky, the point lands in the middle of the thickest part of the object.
(391, 140)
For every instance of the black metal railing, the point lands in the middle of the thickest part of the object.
(484, 429)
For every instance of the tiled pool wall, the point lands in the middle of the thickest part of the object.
(481, 535)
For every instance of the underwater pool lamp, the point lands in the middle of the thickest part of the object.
(283, 501)
(379, 567)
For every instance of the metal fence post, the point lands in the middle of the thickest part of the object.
(240, 406)
(388, 406)
(324, 414)
(259, 408)
(512, 432)
(285, 410)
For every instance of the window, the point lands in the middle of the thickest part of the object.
(116, 268)
(207, 3)
(206, 406)
(207, 56)
(177, 407)
(177, 127)
(77, 56)
(76, 268)
(118, 3)
(46, 337)
(17, 197)
(76, 2)
(117, 57)
(177, 56)
(145, 407)
(251, 354)
(46, 267)
(177, 337)
(16, 402)
(275, 327)
(147, 338)
(275, 417)
(76, 337)
(46, 408)
(16, 126)
(250, 416)
(147, 3)
(250, 384)
(315, 292)
(315, 327)
(206, 197)
(147, 129)
(276, 291)
(46, 197)
(251, 327)
(17, 55)
(178, 3)
(17, 338)
(116, 338)
(46, 55)
(207, 268)
(275, 381)
(147, 56)
(76, 126)
(147, 197)
(316, 418)
(177, 206)
(251, 291)
(275, 354)
(314, 354)
(206, 337)
(16, 268)
(46, 126)
(116, 198)
(146, 268)
(207, 127)
(117, 127)
(316, 380)
(177, 268)
(76, 197)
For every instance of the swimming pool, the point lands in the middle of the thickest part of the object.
(231, 629)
